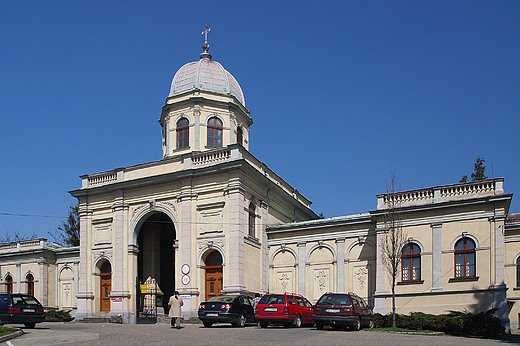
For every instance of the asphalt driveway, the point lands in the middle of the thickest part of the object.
(195, 334)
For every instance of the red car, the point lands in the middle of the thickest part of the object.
(285, 309)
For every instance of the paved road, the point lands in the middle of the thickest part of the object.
(161, 334)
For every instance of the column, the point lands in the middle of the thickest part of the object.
(302, 252)
(436, 257)
(340, 265)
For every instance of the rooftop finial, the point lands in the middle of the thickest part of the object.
(205, 46)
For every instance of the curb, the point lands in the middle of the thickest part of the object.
(11, 336)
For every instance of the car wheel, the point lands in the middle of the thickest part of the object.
(371, 324)
(357, 326)
(241, 321)
(298, 321)
(319, 326)
(207, 324)
(29, 325)
(263, 324)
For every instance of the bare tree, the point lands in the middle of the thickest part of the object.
(394, 236)
(8, 237)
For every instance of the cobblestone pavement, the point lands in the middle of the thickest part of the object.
(195, 334)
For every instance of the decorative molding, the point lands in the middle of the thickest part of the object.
(252, 241)
(217, 205)
(219, 228)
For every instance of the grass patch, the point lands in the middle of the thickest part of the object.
(7, 331)
(403, 330)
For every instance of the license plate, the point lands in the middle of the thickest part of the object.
(29, 310)
(211, 314)
(270, 309)
(332, 310)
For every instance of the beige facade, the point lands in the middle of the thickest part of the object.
(210, 218)
(44, 269)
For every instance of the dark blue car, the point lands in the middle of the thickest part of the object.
(236, 310)
(20, 309)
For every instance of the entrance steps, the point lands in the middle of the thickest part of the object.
(101, 317)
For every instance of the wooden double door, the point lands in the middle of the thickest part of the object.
(213, 281)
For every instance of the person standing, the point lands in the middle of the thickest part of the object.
(175, 313)
(254, 302)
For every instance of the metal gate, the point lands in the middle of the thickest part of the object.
(147, 295)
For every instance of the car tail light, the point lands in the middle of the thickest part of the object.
(13, 310)
(39, 310)
(202, 306)
(286, 310)
(347, 310)
(225, 306)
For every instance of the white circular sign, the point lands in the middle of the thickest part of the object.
(185, 280)
(185, 269)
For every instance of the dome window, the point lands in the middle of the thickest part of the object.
(240, 136)
(215, 133)
(183, 133)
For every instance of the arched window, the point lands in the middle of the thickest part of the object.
(252, 219)
(465, 258)
(411, 262)
(240, 136)
(30, 284)
(183, 133)
(9, 284)
(518, 272)
(215, 133)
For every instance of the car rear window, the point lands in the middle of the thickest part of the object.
(335, 299)
(222, 299)
(272, 299)
(30, 300)
(24, 300)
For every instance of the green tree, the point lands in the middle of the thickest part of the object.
(478, 173)
(68, 232)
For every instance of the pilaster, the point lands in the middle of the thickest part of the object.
(264, 288)
(84, 297)
(237, 227)
(119, 294)
(302, 252)
(380, 293)
(340, 246)
(436, 257)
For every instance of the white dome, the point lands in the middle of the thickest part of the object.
(207, 75)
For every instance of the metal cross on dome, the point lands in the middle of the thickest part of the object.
(205, 33)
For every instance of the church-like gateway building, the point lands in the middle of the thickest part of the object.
(210, 218)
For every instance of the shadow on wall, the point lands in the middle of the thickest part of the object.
(484, 301)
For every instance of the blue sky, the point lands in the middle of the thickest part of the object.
(340, 92)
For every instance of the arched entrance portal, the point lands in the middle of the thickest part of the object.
(213, 274)
(156, 257)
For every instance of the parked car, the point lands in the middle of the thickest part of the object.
(236, 310)
(342, 309)
(20, 309)
(285, 309)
